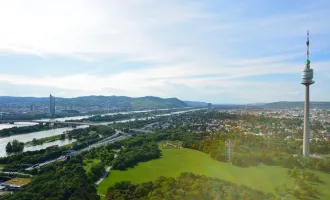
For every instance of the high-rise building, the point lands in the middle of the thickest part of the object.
(307, 80)
(209, 107)
(32, 107)
(51, 105)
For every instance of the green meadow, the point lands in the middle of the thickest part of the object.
(175, 161)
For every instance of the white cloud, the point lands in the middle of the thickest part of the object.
(90, 27)
(192, 52)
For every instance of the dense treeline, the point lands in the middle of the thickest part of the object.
(304, 185)
(15, 162)
(187, 186)
(131, 155)
(137, 149)
(248, 150)
(96, 171)
(83, 133)
(61, 181)
(88, 136)
(106, 156)
(26, 129)
(320, 147)
(105, 153)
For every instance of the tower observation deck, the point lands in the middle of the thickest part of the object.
(307, 73)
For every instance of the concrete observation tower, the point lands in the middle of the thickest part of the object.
(307, 80)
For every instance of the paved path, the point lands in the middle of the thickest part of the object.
(107, 170)
(141, 130)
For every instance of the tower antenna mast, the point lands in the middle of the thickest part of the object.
(307, 51)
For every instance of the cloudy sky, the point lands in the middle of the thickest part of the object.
(212, 50)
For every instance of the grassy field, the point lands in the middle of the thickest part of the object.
(175, 161)
(88, 164)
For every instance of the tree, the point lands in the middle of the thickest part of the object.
(186, 186)
(63, 137)
(294, 172)
(96, 171)
(17, 146)
(34, 141)
(9, 148)
(58, 181)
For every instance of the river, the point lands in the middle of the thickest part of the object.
(41, 134)
(87, 116)
(19, 124)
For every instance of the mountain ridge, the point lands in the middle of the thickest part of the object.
(296, 104)
(120, 102)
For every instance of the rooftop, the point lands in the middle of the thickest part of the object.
(17, 182)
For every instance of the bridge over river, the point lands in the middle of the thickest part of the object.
(49, 122)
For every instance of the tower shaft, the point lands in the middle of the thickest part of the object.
(306, 124)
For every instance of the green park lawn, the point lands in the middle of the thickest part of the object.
(174, 161)
(88, 164)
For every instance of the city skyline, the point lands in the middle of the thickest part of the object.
(211, 51)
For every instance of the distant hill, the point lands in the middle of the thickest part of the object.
(298, 104)
(256, 104)
(196, 103)
(118, 102)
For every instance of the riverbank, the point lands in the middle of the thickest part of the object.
(40, 141)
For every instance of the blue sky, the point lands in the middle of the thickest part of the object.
(213, 50)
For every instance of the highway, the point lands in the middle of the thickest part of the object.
(17, 173)
(142, 130)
